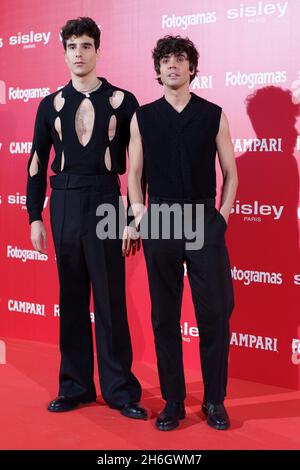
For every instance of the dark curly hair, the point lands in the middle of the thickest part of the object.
(79, 27)
(175, 45)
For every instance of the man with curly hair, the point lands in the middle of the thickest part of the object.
(173, 145)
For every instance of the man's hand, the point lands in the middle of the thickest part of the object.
(225, 215)
(131, 241)
(38, 236)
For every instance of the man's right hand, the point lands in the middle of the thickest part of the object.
(38, 236)
(131, 241)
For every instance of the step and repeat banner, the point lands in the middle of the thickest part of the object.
(249, 64)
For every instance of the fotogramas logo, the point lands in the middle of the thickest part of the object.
(255, 79)
(29, 40)
(25, 255)
(27, 93)
(250, 276)
(2, 92)
(185, 21)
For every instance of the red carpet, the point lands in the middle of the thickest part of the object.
(262, 416)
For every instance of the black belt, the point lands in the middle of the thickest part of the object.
(69, 181)
(208, 202)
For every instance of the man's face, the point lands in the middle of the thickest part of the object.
(81, 55)
(175, 70)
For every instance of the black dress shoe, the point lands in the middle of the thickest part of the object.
(169, 417)
(216, 415)
(133, 410)
(62, 403)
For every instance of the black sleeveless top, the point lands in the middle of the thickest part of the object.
(180, 148)
(78, 159)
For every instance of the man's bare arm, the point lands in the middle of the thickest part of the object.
(135, 191)
(228, 166)
(135, 172)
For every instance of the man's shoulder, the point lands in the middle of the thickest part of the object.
(204, 102)
(113, 88)
(150, 106)
(45, 104)
(48, 99)
(129, 103)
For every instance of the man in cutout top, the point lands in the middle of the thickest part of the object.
(87, 122)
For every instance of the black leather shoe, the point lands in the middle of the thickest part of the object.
(133, 410)
(216, 416)
(62, 403)
(169, 417)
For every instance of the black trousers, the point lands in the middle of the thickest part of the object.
(210, 280)
(85, 261)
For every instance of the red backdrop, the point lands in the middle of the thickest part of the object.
(248, 65)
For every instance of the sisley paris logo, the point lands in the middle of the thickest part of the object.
(259, 10)
(255, 208)
(2, 92)
(29, 40)
(20, 200)
(17, 199)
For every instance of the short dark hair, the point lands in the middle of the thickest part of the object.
(175, 45)
(78, 27)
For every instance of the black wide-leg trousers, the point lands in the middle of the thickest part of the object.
(84, 261)
(209, 275)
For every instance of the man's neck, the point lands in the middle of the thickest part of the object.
(178, 98)
(85, 83)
